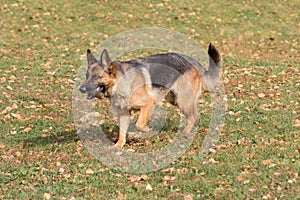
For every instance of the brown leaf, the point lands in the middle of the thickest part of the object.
(297, 123)
(188, 197)
(182, 171)
(18, 154)
(121, 196)
(26, 130)
(242, 178)
(267, 163)
(261, 95)
(16, 115)
(2, 79)
(134, 178)
(8, 109)
(45, 181)
(167, 178)
(47, 196)
(221, 146)
(212, 160)
(89, 171)
(144, 177)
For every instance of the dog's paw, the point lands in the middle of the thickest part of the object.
(117, 146)
(145, 129)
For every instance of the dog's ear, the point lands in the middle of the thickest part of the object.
(90, 58)
(105, 60)
(114, 68)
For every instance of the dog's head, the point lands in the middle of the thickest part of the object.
(100, 76)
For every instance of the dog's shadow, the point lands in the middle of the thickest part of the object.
(57, 138)
(105, 132)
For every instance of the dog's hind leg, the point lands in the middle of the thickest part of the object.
(192, 119)
(187, 91)
(188, 107)
(145, 113)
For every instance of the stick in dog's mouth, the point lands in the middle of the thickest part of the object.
(99, 92)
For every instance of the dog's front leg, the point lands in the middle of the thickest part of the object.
(124, 120)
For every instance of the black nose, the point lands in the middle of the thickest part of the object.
(82, 89)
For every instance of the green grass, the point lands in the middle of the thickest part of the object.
(42, 44)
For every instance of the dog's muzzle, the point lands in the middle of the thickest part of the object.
(98, 92)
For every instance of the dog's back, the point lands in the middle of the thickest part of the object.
(165, 69)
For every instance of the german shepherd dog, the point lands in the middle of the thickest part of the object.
(141, 83)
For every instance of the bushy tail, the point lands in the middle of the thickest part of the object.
(211, 76)
(214, 60)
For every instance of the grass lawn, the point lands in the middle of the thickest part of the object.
(42, 45)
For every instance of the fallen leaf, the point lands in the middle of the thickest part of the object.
(221, 146)
(45, 181)
(211, 150)
(8, 109)
(297, 123)
(182, 171)
(121, 196)
(261, 95)
(169, 178)
(277, 173)
(134, 178)
(89, 171)
(267, 163)
(16, 115)
(12, 79)
(2, 79)
(149, 187)
(47, 196)
(212, 160)
(26, 130)
(293, 174)
(242, 178)
(18, 154)
(231, 113)
(58, 164)
(144, 177)
(251, 190)
(61, 170)
(188, 197)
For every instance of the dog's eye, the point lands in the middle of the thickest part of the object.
(96, 77)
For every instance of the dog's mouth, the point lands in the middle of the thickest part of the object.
(91, 95)
(99, 92)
